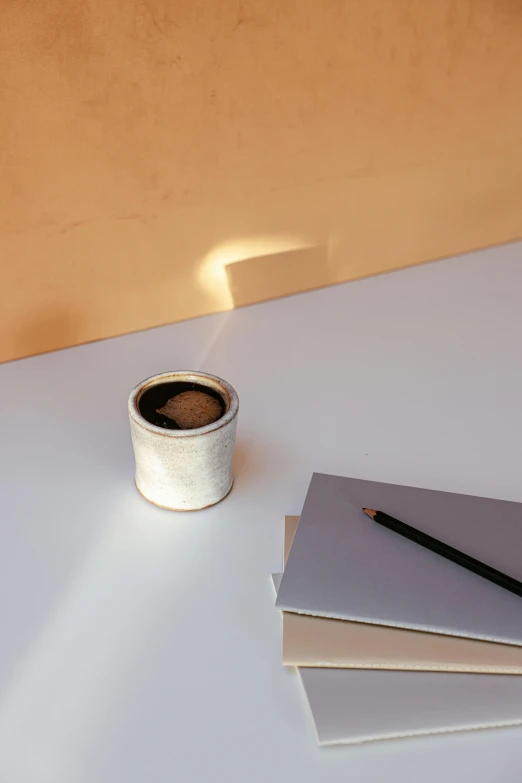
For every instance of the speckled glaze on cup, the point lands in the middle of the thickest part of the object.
(184, 470)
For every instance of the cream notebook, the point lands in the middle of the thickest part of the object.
(318, 641)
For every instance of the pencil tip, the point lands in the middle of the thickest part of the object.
(371, 513)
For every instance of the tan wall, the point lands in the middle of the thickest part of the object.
(146, 144)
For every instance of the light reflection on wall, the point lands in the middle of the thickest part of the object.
(212, 274)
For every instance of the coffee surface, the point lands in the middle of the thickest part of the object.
(179, 405)
(192, 409)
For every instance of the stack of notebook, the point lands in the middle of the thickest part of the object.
(391, 639)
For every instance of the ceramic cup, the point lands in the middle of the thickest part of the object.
(184, 470)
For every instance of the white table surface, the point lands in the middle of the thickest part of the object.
(143, 645)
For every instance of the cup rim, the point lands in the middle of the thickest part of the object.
(186, 375)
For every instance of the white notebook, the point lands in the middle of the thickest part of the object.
(350, 706)
(344, 565)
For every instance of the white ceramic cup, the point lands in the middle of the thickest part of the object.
(184, 470)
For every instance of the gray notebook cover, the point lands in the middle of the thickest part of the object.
(344, 565)
(350, 706)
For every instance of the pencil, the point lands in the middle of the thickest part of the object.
(447, 551)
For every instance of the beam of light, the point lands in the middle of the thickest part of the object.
(70, 685)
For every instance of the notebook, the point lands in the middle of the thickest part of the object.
(343, 565)
(318, 641)
(349, 706)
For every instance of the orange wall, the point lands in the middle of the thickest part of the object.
(147, 144)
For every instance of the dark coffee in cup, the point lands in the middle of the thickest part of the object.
(180, 405)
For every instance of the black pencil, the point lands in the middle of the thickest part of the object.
(447, 551)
